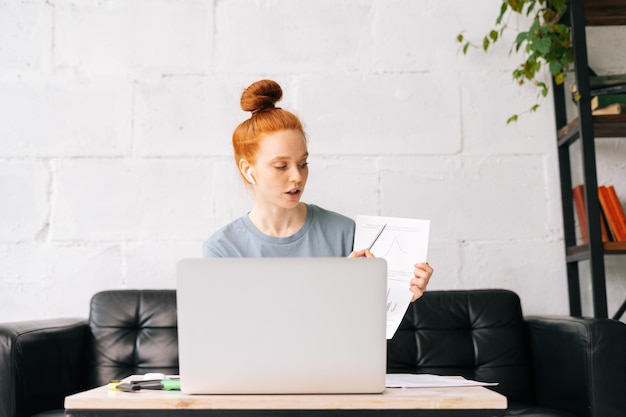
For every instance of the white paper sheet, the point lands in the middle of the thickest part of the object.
(403, 243)
(430, 381)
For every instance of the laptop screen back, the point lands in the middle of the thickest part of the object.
(282, 325)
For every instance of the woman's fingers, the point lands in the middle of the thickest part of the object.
(419, 282)
(363, 253)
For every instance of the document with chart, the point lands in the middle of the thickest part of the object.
(402, 243)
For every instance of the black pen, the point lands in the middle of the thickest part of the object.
(377, 236)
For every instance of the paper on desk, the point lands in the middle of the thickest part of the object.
(148, 376)
(430, 381)
(403, 243)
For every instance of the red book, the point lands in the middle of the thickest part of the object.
(612, 216)
(618, 210)
(581, 212)
(579, 202)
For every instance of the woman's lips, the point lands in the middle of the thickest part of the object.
(293, 194)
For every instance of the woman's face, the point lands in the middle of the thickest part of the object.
(281, 169)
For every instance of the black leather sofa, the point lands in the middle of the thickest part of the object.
(546, 366)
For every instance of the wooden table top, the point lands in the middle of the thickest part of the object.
(449, 398)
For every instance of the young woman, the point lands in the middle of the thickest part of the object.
(271, 153)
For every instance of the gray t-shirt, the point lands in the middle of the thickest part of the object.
(324, 233)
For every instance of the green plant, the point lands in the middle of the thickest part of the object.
(545, 42)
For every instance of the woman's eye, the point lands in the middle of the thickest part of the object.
(284, 167)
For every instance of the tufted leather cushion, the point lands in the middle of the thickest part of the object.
(132, 332)
(477, 334)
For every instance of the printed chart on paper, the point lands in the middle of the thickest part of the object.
(402, 243)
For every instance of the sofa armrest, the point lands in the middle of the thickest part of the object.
(40, 363)
(579, 364)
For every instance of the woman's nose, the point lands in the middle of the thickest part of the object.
(295, 175)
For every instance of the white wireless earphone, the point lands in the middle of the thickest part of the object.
(251, 179)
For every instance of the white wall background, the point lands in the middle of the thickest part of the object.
(116, 118)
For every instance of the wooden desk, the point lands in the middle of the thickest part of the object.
(404, 402)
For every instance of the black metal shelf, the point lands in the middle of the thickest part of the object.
(586, 128)
(609, 126)
(581, 252)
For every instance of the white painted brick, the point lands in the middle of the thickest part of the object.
(421, 36)
(489, 99)
(286, 36)
(402, 35)
(24, 205)
(25, 35)
(468, 198)
(40, 281)
(139, 36)
(191, 115)
(65, 116)
(605, 49)
(532, 268)
(343, 184)
(99, 199)
(552, 193)
(230, 197)
(610, 166)
(475, 24)
(382, 114)
(152, 264)
(445, 259)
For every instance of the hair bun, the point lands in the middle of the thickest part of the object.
(261, 95)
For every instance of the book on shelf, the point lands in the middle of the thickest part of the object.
(605, 84)
(615, 212)
(617, 204)
(604, 100)
(615, 108)
(581, 213)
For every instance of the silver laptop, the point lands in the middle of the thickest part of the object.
(282, 325)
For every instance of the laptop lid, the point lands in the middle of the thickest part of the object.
(282, 325)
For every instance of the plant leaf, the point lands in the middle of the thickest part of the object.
(555, 67)
(559, 5)
(542, 45)
(543, 88)
(503, 8)
(521, 37)
(559, 78)
(512, 119)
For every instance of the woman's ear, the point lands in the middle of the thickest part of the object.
(246, 170)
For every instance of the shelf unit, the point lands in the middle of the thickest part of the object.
(586, 129)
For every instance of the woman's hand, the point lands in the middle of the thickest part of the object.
(363, 253)
(419, 282)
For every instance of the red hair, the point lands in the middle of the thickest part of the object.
(260, 99)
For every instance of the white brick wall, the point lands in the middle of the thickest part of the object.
(64, 116)
(116, 119)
